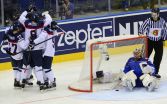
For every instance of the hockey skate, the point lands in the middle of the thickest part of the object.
(23, 84)
(129, 85)
(26, 82)
(17, 84)
(157, 76)
(41, 86)
(52, 86)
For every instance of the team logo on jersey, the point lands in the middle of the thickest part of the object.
(155, 32)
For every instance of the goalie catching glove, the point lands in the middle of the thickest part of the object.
(150, 82)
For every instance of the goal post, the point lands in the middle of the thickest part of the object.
(109, 54)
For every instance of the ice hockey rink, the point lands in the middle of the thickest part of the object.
(68, 72)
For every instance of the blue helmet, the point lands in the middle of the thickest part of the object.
(33, 16)
(16, 25)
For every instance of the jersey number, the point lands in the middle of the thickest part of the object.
(13, 47)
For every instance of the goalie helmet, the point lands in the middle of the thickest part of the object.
(137, 53)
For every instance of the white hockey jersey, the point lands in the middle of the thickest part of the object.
(36, 28)
(50, 44)
(16, 44)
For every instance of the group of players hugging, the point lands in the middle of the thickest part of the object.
(25, 41)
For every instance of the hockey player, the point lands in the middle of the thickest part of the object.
(49, 32)
(156, 31)
(139, 72)
(15, 43)
(33, 27)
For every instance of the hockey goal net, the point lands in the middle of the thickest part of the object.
(118, 48)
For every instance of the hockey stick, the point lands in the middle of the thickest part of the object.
(42, 42)
(1, 44)
(61, 29)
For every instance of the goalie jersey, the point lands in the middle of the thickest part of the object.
(137, 66)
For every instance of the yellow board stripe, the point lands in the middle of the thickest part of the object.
(56, 59)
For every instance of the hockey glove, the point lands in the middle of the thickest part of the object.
(31, 45)
(33, 35)
(45, 12)
(31, 8)
(8, 52)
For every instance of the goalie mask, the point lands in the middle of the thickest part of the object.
(137, 53)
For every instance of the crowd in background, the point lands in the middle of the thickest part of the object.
(77, 7)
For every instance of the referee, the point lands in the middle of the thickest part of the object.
(155, 29)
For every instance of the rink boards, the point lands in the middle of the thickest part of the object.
(71, 46)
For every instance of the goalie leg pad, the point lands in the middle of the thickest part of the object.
(129, 76)
(129, 85)
(150, 82)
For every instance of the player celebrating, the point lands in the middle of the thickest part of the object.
(33, 26)
(49, 32)
(139, 72)
(155, 29)
(16, 43)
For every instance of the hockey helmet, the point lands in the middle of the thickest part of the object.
(54, 25)
(16, 27)
(33, 17)
(137, 53)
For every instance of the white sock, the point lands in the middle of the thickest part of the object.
(15, 72)
(24, 72)
(29, 71)
(39, 74)
(44, 76)
(18, 76)
(49, 74)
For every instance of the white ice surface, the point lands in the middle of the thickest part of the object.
(67, 73)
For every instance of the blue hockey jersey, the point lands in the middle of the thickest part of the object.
(134, 64)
